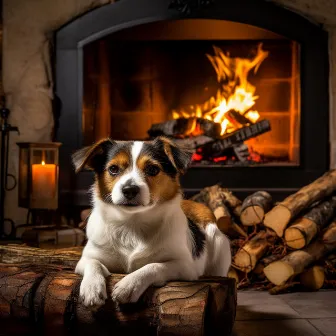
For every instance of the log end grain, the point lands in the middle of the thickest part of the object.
(252, 215)
(277, 219)
(313, 278)
(300, 233)
(278, 272)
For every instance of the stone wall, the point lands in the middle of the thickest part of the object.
(27, 76)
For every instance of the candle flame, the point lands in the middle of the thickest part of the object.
(43, 163)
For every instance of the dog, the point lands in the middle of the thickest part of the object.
(139, 223)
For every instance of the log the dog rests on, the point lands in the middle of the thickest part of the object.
(43, 299)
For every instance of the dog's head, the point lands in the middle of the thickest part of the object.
(134, 175)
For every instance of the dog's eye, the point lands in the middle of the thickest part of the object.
(114, 170)
(152, 170)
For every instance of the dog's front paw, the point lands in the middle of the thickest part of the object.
(92, 291)
(128, 290)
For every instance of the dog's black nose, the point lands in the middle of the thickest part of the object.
(130, 191)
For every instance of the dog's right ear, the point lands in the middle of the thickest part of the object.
(92, 157)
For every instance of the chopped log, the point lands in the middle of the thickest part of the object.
(216, 148)
(254, 208)
(23, 254)
(44, 300)
(279, 272)
(231, 201)
(259, 269)
(186, 127)
(213, 198)
(304, 229)
(281, 215)
(239, 119)
(313, 278)
(247, 257)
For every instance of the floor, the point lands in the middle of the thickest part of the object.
(295, 314)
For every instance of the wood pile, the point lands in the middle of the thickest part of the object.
(284, 246)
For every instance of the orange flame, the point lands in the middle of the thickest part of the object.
(236, 92)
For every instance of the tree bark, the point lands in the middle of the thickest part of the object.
(254, 208)
(247, 257)
(13, 254)
(304, 229)
(279, 272)
(281, 215)
(44, 300)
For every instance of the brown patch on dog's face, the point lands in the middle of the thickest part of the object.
(162, 186)
(106, 181)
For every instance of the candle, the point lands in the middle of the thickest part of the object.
(43, 180)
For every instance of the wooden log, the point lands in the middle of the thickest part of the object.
(254, 208)
(186, 127)
(294, 263)
(259, 269)
(313, 278)
(247, 257)
(213, 199)
(12, 254)
(217, 147)
(280, 216)
(44, 300)
(231, 201)
(193, 142)
(282, 288)
(304, 229)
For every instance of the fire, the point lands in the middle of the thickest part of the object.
(236, 93)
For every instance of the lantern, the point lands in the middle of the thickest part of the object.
(38, 175)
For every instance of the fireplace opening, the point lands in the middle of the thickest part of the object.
(127, 69)
(229, 91)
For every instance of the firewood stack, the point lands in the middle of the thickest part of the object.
(281, 246)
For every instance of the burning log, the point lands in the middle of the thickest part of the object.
(254, 208)
(313, 278)
(217, 147)
(304, 229)
(44, 300)
(193, 142)
(279, 272)
(186, 127)
(281, 215)
(247, 257)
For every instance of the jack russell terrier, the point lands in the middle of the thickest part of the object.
(139, 223)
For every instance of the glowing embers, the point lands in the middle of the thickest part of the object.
(231, 107)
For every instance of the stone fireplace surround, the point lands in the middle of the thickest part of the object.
(28, 32)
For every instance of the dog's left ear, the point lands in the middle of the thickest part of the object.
(179, 157)
(92, 157)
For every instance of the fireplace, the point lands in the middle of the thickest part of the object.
(244, 85)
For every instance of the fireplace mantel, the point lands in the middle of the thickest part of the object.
(28, 72)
